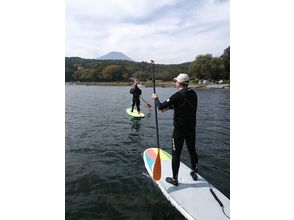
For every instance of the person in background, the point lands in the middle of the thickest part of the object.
(136, 96)
(184, 104)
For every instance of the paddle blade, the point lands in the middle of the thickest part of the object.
(149, 105)
(157, 167)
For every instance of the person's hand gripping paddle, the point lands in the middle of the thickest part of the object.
(157, 164)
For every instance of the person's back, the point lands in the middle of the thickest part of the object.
(185, 110)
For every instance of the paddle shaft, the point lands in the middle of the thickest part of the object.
(156, 120)
(144, 100)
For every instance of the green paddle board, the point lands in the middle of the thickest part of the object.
(135, 113)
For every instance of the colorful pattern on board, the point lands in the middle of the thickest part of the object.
(151, 155)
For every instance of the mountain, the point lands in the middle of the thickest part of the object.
(114, 56)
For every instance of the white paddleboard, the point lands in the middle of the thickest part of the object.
(192, 198)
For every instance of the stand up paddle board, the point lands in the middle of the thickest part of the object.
(135, 113)
(196, 200)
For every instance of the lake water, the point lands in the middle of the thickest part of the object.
(103, 154)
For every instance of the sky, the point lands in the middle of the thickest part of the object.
(167, 31)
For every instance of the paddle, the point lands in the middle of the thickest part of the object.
(148, 105)
(157, 164)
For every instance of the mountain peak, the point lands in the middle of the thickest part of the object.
(114, 55)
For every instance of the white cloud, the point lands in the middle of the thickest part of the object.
(167, 31)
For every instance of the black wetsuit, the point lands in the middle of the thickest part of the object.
(184, 103)
(136, 97)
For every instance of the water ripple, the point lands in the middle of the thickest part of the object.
(103, 160)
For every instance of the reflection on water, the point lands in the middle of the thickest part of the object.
(136, 123)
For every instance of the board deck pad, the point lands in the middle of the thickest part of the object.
(135, 113)
(192, 198)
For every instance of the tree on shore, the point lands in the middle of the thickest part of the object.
(114, 73)
(86, 75)
(226, 62)
(207, 67)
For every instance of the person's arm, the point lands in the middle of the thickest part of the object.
(168, 104)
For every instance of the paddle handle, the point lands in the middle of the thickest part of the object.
(154, 91)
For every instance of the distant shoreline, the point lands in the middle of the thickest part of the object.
(148, 84)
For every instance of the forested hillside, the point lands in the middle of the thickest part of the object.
(204, 67)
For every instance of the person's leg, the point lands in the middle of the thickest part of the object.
(177, 146)
(138, 105)
(133, 104)
(190, 142)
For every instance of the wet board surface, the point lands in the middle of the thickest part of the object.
(192, 198)
(134, 113)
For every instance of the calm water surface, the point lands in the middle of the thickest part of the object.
(104, 165)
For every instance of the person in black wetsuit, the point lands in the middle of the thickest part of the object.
(184, 104)
(136, 96)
